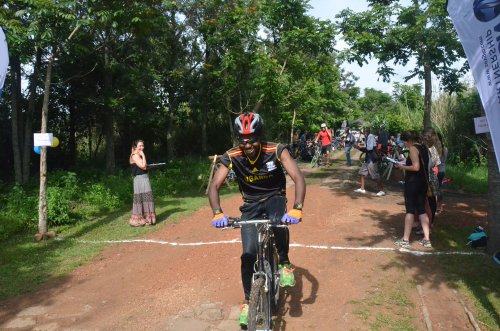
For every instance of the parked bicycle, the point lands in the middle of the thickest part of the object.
(384, 166)
(337, 144)
(265, 292)
(315, 161)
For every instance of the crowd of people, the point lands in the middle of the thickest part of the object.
(259, 167)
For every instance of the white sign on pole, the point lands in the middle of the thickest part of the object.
(43, 139)
(478, 26)
(4, 59)
(481, 125)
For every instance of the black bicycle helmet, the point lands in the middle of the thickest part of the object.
(248, 123)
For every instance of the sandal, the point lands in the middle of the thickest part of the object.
(425, 243)
(402, 243)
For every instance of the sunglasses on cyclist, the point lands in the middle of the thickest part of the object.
(250, 141)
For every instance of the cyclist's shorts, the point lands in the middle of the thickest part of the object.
(369, 169)
(326, 149)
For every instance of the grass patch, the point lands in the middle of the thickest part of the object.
(476, 277)
(24, 264)
(468, 178)
(385, 306)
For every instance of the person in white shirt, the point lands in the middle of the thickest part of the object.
(370, 166)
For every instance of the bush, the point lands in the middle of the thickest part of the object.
(72, 197)
(100, 198)
(9, 225)
(21, 208)
(179, 177)
(61, 192)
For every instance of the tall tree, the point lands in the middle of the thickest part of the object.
(300, 76)
(393, 32)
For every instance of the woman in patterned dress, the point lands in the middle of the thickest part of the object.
(143, 209)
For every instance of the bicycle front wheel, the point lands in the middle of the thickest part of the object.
(315, 159)
(362, 158)
(259, 310)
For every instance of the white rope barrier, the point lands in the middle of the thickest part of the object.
(320, 247)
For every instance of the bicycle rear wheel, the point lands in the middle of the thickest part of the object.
(315, 160)
(362, 158)
(259, 310)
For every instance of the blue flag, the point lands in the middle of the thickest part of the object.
(4, 59)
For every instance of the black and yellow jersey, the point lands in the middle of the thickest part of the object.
(260, 178)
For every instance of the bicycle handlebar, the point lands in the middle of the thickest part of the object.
(236, 222)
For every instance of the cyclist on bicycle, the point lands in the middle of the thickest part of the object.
(325, 135)
(258, 166)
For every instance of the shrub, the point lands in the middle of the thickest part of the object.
(62, 189)
(99, 198)
(21, 207)
(59, 208)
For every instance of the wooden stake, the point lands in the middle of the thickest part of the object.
(425, 311)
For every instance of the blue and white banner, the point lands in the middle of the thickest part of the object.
(478, 26)
(4, 59)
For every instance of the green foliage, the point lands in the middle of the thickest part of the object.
(81, 197)
(179, 178)
(397, 31)
(61, 191)
(59, 209)
(9, 225)
(20, 210)
(99, 198)
(471, 177)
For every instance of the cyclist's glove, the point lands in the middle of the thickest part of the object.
(292, 217)
(219, 220)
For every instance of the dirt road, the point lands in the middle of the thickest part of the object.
(186, 277)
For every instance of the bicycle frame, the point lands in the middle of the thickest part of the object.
(265, 268)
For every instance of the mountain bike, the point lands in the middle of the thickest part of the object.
(317, 156)
(265, 292)
(337, 144)
(394, 152)
(385, 167)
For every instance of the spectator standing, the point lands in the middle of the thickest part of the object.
(348, 142)
(370, 166)
(431, 141)
(383, 140)
(325, 136)
(416, 170)
(399, 141)
(441, 172)
(143, 208)
(361, 141)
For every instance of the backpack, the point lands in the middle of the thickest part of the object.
(478, 238)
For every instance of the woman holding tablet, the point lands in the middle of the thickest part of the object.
(143, 208)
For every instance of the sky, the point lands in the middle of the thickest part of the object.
(368, 77)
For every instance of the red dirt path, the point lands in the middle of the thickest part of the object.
(148, 286)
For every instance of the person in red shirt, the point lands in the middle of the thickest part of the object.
(325, 135)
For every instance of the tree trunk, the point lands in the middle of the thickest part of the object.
(15, 115)
(230, 120)
(493, 230)
(90, 140)
(109, 135)
(42, 200)
(28, 121)
(204, 133)
(170, 135)
(72, 135)
(427, 96)
(293, 124)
